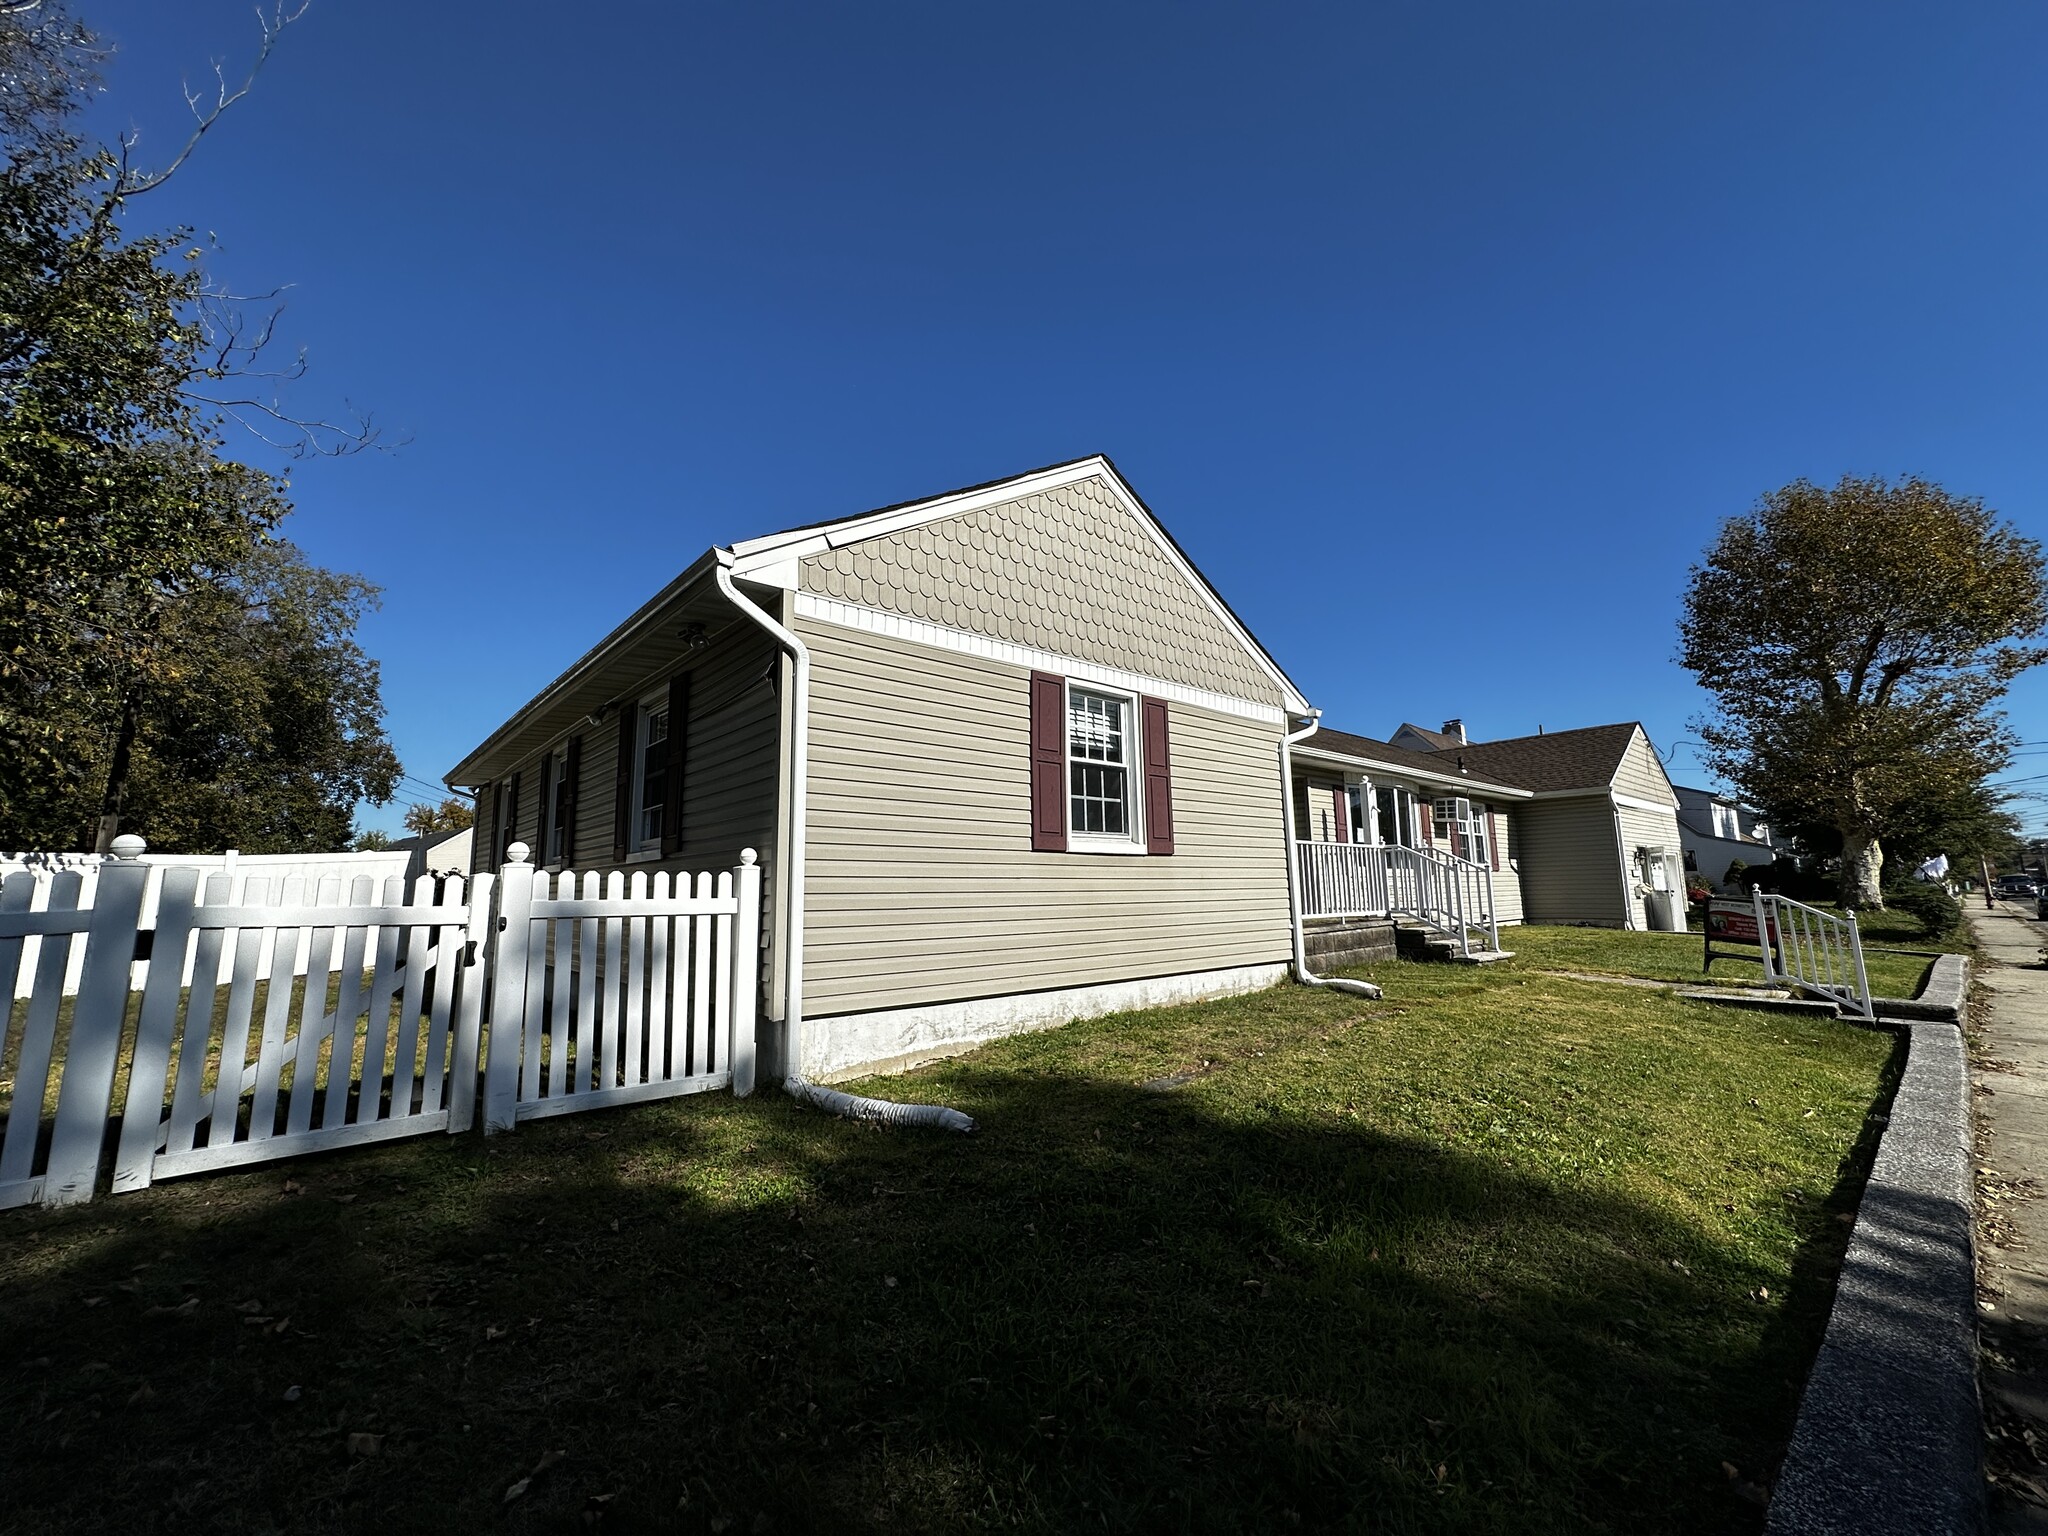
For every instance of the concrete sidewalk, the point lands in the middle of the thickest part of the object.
(2009, 1066)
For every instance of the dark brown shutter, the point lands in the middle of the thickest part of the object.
(622, 784)
(572, 770)
(1048, 763)
(1425, 816)
(511, 833)
(485, 838)
(672, 776)
(1493, 836)
(1339, 817)
(1158, 778)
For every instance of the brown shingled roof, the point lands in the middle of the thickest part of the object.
(1432, 765)
(1443, 741)
(1581, 759)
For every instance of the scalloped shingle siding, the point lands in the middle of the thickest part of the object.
(1067, 571)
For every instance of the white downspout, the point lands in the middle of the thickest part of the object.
(1302, 973)
(793, 1080)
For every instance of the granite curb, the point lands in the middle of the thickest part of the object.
(1890, 1436)
(1941, 997)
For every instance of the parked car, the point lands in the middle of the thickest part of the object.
(2018, 887)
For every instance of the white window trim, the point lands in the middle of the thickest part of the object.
(554, 766)
(1134, 772)
(644, 848)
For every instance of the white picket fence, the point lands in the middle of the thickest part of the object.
(241, 868)
(599, 992)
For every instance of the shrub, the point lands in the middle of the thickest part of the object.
(1732, 877)
(1937, 912)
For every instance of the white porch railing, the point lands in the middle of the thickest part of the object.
(1814, 951)
(1452, 895)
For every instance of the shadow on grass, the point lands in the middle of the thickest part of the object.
(1113, 1308)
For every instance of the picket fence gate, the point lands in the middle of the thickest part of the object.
(562, 993)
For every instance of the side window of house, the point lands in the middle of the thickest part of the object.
(1460, 825)
(1098, 758)
(650, 772)
(1101, 769)
(558, 805)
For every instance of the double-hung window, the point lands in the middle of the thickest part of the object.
(1101, 751)
(555, 801)
(1461, 826)
(650, 772)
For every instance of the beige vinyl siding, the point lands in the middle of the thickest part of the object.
(1645, 829)
(1067, 571)
(729, 767)
(1507, 883)
(921, 883)
(1641, 776)
(1571, 871)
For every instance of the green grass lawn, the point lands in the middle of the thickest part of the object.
(1676, 956)
(1503, 1253)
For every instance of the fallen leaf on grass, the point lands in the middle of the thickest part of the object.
(360, 1444)
(293, 1394)
(184, 1308)
(518, 1489)
(1675, 1264)
(346, 1199)
(94, 1301)
(248, 1306)
(142, 1394)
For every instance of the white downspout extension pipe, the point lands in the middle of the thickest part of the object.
(850, 1106)
(1302, 973)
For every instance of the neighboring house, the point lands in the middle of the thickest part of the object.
(436, 853)
(1583, 822)
(1356, 790)
(1007, 757)
(1716, 831)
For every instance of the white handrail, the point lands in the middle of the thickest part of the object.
(1814, 951)
(1452, 895)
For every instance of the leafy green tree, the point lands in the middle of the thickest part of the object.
(125, 528)
(1856, 640)
(260, 718)
(371, 841)
(451, 815)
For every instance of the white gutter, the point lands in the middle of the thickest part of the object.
(1302, 973)
(793, 1080)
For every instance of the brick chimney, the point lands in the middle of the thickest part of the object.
(1456, 728)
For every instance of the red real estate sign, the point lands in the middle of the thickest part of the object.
(1734, 921)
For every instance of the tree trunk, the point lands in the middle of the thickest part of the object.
(117, 774)
(1862, 863)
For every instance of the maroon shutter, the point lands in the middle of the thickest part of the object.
(1425, 814)
(1340, 816)
(622, 785)
(510, 834)
(1048, 763)
(484, 839)
(1493, 836)
(672, 776)
(572, 780)
(1158, 778)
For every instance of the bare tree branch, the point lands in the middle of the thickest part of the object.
(205, 115)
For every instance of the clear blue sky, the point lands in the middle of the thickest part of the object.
(1441, 336)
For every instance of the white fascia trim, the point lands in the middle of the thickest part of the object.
(1403, 771)
(894, 1039)
(773, 552)
(1635, 804)
(874, 621)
